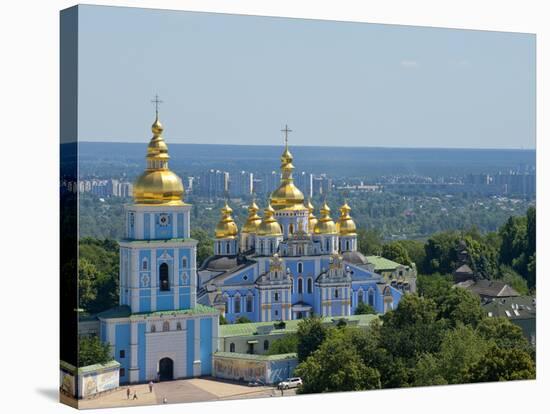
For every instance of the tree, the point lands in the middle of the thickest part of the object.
(242, 319)
(311, 334)
(88, 276)
(441, 253)
(434, 286)
(396, 252)
(427, 371)
(336, 366)
(415, 251)
(412, 329)
(369, 241)
(364, 309)
(503, 333)
(286, 345)
(460, 306)
(92, 351)
(205, 246)
(512, 278)
(503, 364)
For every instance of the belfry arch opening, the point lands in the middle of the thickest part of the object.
(164, 281)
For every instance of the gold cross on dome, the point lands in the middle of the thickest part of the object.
(156, 101)
(286, 131)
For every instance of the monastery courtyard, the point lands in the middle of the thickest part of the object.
(180, 391)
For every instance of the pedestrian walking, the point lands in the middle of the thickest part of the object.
(135, 396)
(150, 386)
(164, 400)
(128, 393)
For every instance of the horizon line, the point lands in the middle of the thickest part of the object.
(317, 146)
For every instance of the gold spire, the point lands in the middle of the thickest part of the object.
(346, 225)
(325, 224)
(226, 227)
(312, 220)
(287, 196)
(253, 221)
(269, 226)
(158, 185)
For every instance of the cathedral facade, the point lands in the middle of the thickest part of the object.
(159, 331)
(289, 264)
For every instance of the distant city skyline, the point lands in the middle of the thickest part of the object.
(232, 79)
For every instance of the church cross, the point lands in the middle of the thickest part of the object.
(156, 101)
(286, 131)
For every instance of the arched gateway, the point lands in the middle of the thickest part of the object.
(166, 369)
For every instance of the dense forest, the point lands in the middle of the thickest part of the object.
(507, 254)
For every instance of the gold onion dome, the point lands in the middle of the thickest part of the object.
(287, 195)
(158, 185)
(226, 227)
(253, 221)
(346, 226)
(325, 224)
(312, 220)
(269, 226)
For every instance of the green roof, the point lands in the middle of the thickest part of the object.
(125, 312)
(255, 357)
(247, 329)
(89, 368)
(381, 263)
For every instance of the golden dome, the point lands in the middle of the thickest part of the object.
(226, 227)
(325, 224)
(312, 220)
(158, 185)
(287, 195)
(253, 221)
(269, 226)
(346, 225)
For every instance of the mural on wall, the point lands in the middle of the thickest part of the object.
(239, 369)
(67, 382)
(92, 384)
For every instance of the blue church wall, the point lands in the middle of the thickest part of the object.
(180, 232)
(103, 332)
(163, 232)
(190, 346)
(122, 343)
(147, 226)
(144, 303)
(142, 351)
(244, 277)
(231, 316)
(184, 298)
(206, 346)
(165, 300)
(131, 225)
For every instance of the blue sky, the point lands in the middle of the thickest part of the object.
(229, 79)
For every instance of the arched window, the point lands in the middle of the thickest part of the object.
(336, 293)
(360, 298)
(300, 267)
(347, 244)
(249, 303)
(237, 304)
(231, 347)
(178, 326)
(309, 285)
(300, 286)
(153, 328)
(371, 297)
(165, 326)
(276, 297)
(163, 277)
(227, 248)
(291, 228)
(226, 304)
(184, 262)
(266, 345)
(327, 246)
(144, 265)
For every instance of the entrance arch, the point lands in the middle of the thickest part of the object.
(166, 369)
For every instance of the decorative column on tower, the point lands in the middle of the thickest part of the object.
(269, 234)
(312, 220)
(325, 231)
(226, 243)
(347, 231)
(250, 228)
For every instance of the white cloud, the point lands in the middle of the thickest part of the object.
(407, 63)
